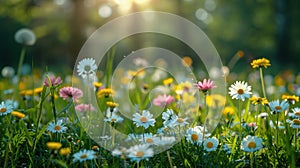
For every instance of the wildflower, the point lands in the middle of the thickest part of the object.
(5, 108)
(86, 68)
(277, 107)
(194, 135)
(168, 81)
(164, 140)
(251, 144)
(84, 107)
(113, 118)
(296, 113)
(148, 138)
(95, 148)
(258, 63)
(84, 155)
(53, 145)
(13, 103)
(112, 104)
(295, 123)
(70, 93)
(106, 92)
(169, 117)
(25, 36)
(145, 120)
(65, 151)
(258, 100)
(18, 115)
(31, 92)
(263, 115)
(163, 101)
(54, 81)
(119, 152)
(181, 122)
(56, 127)
(139, 152)
(205, 85)
(210, 144)
(228, 111)
(290, 98)
(97, 84)
(240, 90)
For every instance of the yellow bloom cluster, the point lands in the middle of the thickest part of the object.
(258, 100)
(262, 62)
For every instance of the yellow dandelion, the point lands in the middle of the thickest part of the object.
(106, 92)
(168, 81)
(31, 91)
(112, 104)
(258, 100)
(290, 98)
(228, 111)
(187, 61)
(97, 84)
(18, 115)
(262, 62)
(53, 145)
(65, 151)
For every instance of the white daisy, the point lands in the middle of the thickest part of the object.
(5, 108)
(169, 117)
(164, 140)
(86, 68)
(240, 90)
(148, 138)
(56, 127)
(211, 144)
(139, 152)
(114, 118)
(194, 135)
(145, 120)
(181, 122)
(251, 144)
(295, 113)
(278, 107)
(84, 155)
(295, 123)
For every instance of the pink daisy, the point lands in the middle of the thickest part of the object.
(53, 81)
(163, 101)
(205, 85)
(70, 92)
(84, 107)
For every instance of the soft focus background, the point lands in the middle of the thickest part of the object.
(248, 28)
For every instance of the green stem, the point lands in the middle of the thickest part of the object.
(21, 60)
(53, 104)
(251, 159)
(169, 159)
(240, 118)
(262, 82)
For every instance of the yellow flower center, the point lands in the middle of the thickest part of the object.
(296, 121)
(3, 110)
(57, 127)
(83, 156)
(251, 144)
(209, 144)
(278, 107)
(180, 120)
(297, 113)
(113, 120)
(143, 119)
(240, 91)
(139, 154)
(194, 137)
(149, 140)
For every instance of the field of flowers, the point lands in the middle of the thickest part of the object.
(46, 120)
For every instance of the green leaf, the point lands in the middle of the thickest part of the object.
(61, 163)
